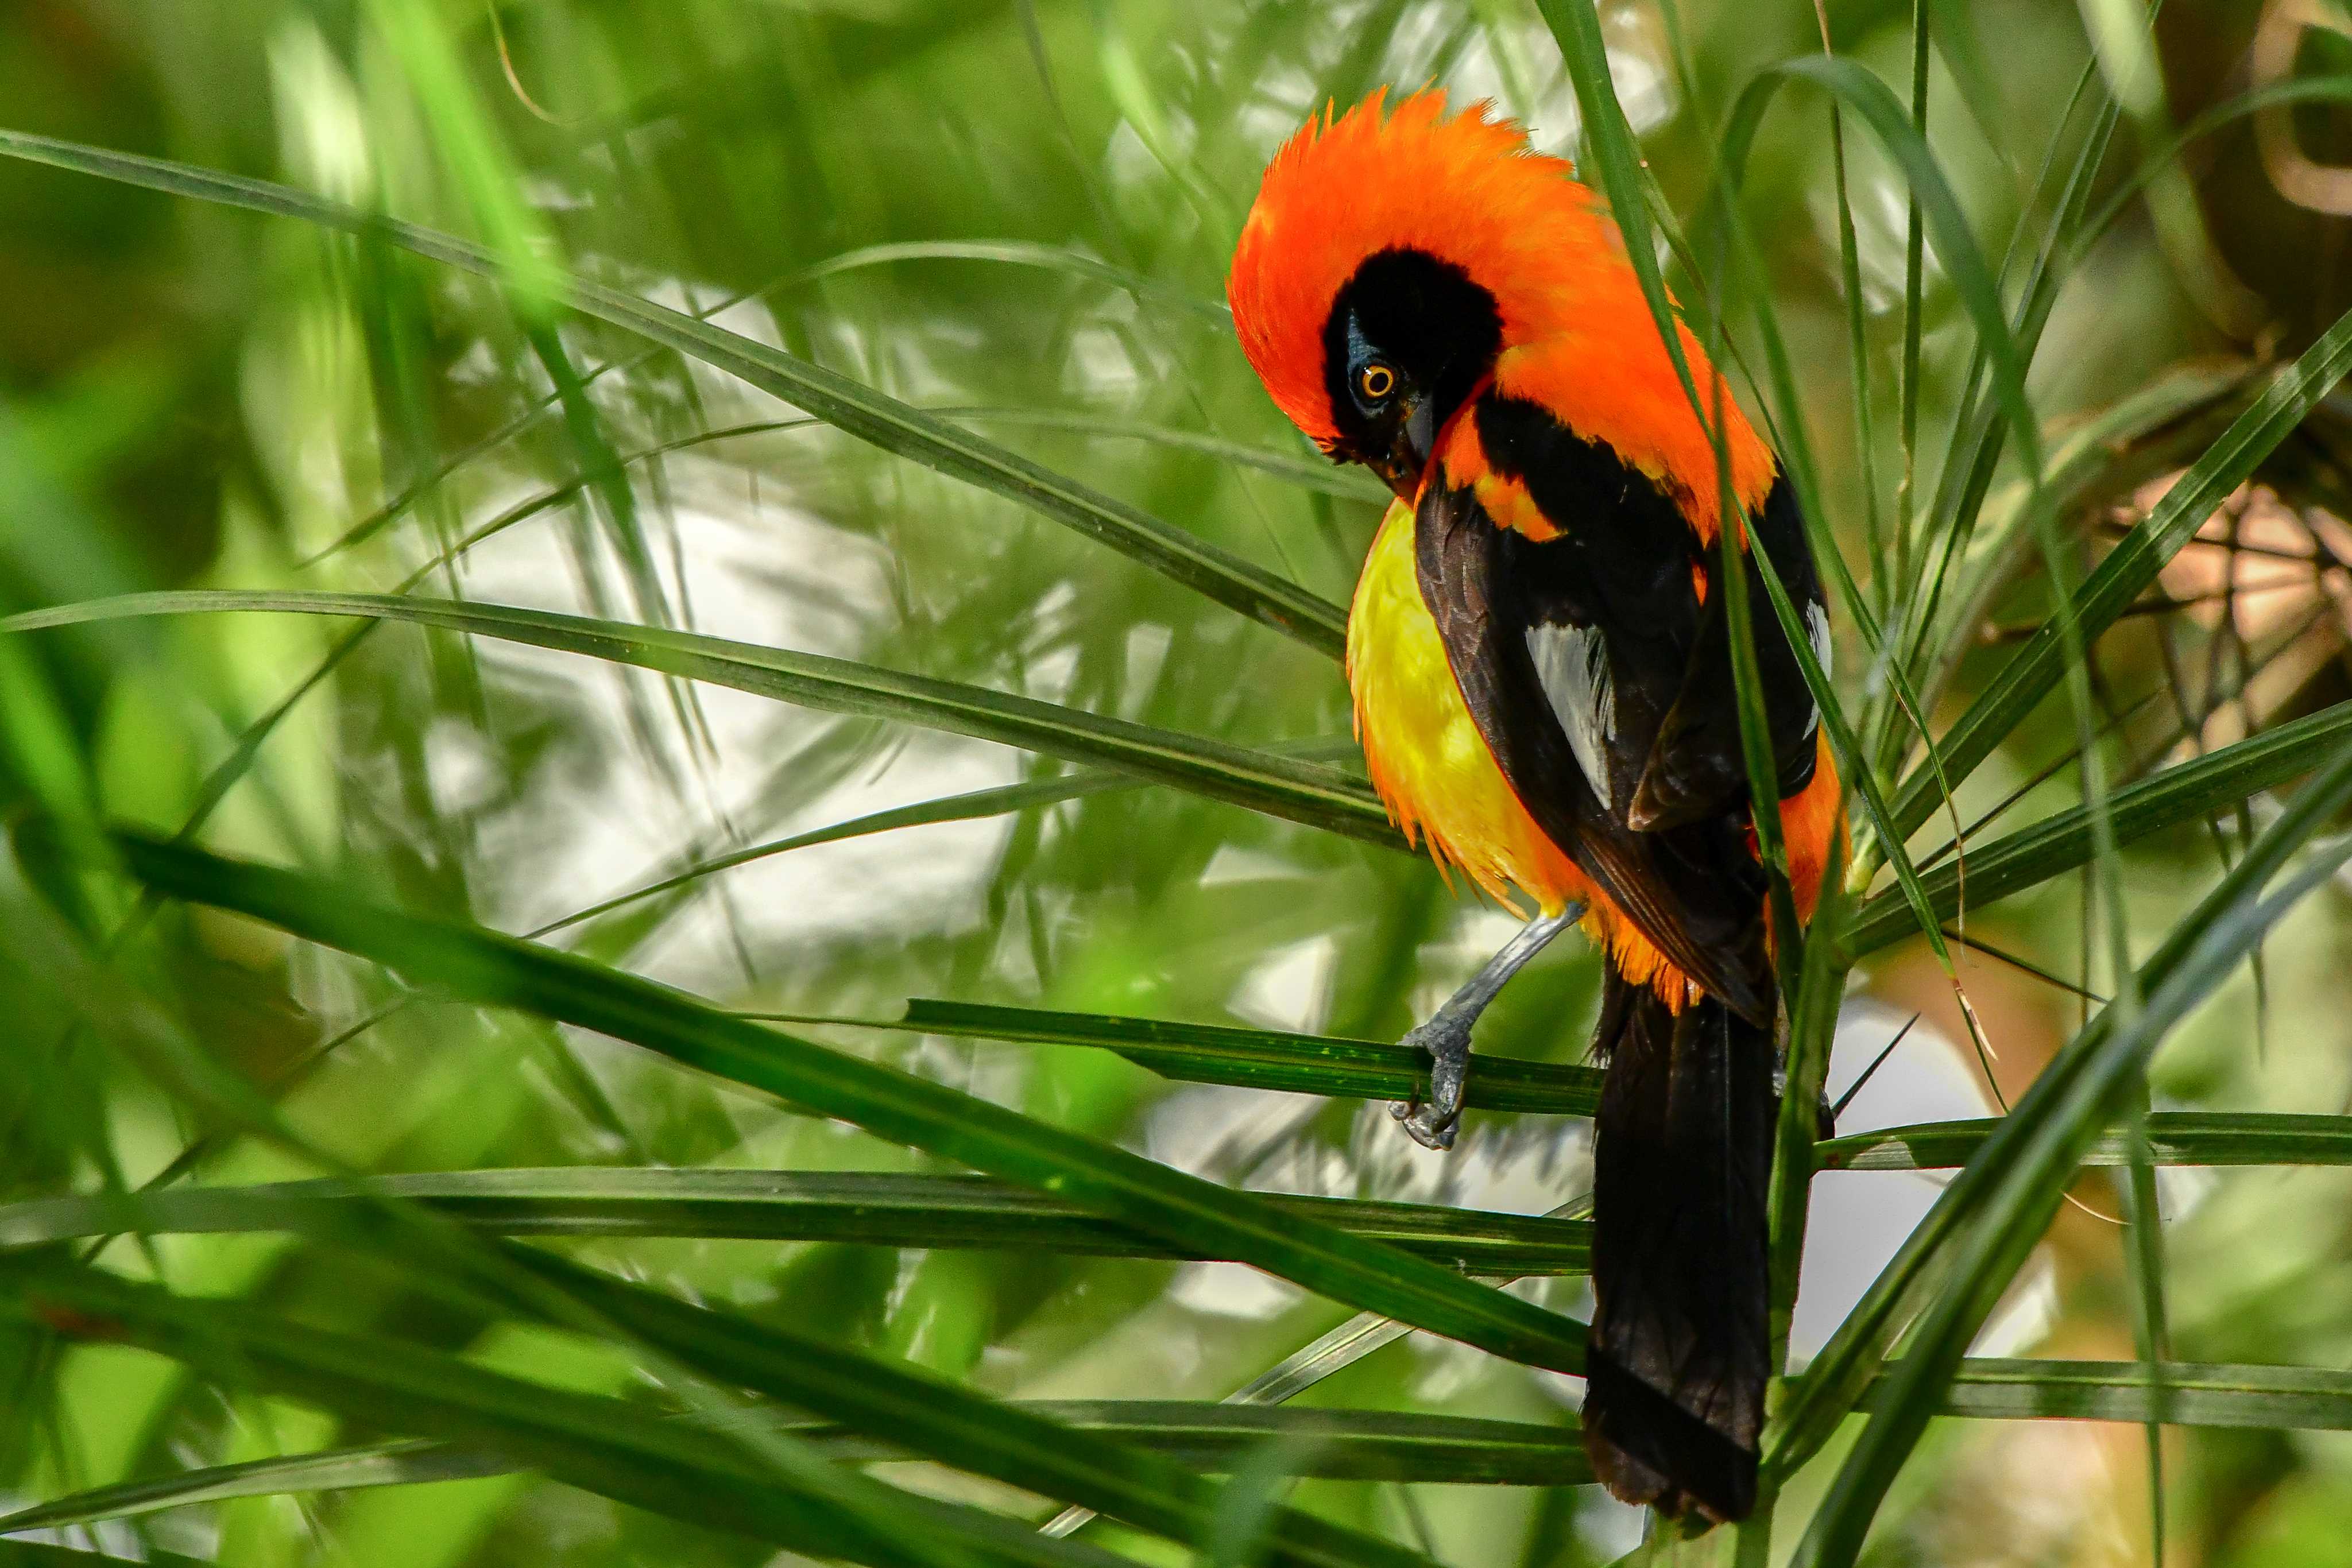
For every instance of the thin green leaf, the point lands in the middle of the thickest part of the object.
(855, 409)
(2133, 564)
(1835, 1376)
(925, 1414)
(488, 969)
(2188, 1394)
(597, 1443)
(1334, 1445)
(1269, 1059)
(1299, 791)
(2178, 796)
(1989, 1226)
(2174, 1137)
(877, 1209)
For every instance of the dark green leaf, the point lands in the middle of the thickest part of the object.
(488, 969)
(1270, 1059)
(857, 410)
(888, 1209)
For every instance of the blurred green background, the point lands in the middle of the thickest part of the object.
(1019, 214)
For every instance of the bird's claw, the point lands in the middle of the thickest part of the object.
(1432, 1124)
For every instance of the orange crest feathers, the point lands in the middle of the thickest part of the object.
(1576, 334)
(1466, 189)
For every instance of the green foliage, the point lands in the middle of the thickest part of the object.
(526, 471)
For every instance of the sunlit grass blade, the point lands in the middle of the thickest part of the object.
(1269, 1059)
(1987, 1221)
(872, 1209)
(1334, 1445)
(2175, 1138)
(408, 1461)
(857, 410)
(1300, 791)
(2180, 795)
(2132, 565)
(488, 969)
(2188, 1394)
(1835, 1376)
(927, 1415)
(594, 1442)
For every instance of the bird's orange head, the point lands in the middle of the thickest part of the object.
(1394, 252)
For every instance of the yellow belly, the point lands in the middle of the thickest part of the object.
(1427, 758)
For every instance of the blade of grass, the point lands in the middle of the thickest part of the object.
(1991, 1216)
(1268, 1059)
(2215, 1139)
(924, 1413)
(594, 1442)
(1835, 1376)
(491, 970)
(857, 410)
(1301, 791)
(1350, 1444)
(2180, 795)
(1333, 1445)
(2132, 565)
(875, 1209)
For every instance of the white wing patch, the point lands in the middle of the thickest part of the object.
(1817, 632)
(1572, 666)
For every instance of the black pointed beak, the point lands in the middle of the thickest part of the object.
(1402, 466)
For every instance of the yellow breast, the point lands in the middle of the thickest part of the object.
(1427, 758)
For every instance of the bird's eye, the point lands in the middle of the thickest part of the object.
(1375, 381)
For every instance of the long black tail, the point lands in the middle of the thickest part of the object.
(1679, 1349)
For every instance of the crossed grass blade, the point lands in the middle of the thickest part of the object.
(596, 1442)
(1330, 1445)
(857, 409)
(1301, 791)
(1268, 1059)
(486, 969)
(857, 1207)
(2132, 565)
(1992, 1214)
(2059, 844)
(2211, 1138)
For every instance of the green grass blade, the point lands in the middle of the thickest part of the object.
(594, 1442)
(2218, 1138)
(2059, 844)
(2133, 564)
(857, 409)
(1836, 1375)
(1956, 248)
(410, 1461)
(872, 1209)
(1269, 1059)
(1345, 1444)
(2188, 1394)
(929, 1415)
(1300, 791)
(1990, 1225)
(488, 969)
(1333, 1445)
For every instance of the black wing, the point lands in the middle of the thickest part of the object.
(1694, 768)
(1570, 654)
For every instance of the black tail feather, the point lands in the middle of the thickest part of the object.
(1679, 1352)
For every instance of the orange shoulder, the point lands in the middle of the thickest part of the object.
(1608, 379)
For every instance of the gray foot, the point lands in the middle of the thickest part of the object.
(1432, 1124)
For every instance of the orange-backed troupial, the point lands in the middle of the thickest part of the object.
(1542, 679)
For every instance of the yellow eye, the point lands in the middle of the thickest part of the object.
(1375, 381)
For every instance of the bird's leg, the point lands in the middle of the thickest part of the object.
(1446, 1035)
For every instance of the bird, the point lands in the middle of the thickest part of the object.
(1538, 656)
